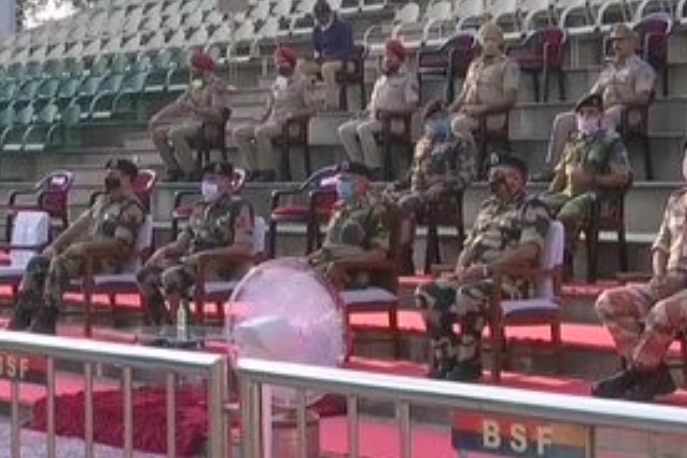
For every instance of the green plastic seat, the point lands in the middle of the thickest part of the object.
(101, 106)
(38, 135)
(11, 139)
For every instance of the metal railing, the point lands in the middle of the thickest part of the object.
(94, 355)
(406, 392)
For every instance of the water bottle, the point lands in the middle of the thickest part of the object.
(182, 321)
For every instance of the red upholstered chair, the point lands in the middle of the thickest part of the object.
(313, 207)
(183, 201)
(50, 194)
(447, 63)
(634, 126)
(654, 31)
(144, 185)
(541, 53)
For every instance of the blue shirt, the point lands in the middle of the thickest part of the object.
(335, 42)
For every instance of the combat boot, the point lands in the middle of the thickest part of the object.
(653, 383)
(466, 371)
(23, 311)
(615, 385)
(45, 321)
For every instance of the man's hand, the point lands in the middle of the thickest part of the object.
(581, 180)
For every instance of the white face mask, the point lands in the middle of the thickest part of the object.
(684, 166)
(209, 190)
(588, 125)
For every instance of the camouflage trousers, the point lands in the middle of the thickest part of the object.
(46, 280)
(573, 212)
(642, 326)
(445, 303)
(157, 282)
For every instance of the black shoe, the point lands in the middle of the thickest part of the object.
(615, 385)
(45, 321)
(24, 310)
(466, 371)
(651, 384)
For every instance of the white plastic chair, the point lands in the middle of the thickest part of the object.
(30, 234)
(408, 15)
(470, 13)
(647, 7)
(578, 17)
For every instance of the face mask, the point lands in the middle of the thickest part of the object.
(285, 70)
(197, 83)
(345, 190)
(112, 184)
(209, 190)
(439, 129)
(588, 125)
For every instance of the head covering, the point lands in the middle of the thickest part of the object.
(592, 101)
(490, 29)
(396, 48)
(505, 159)
(203, 61)
(621, 31)
(432, 108)
(287, 54)
(125, 166)
(219, 168)
(355, 168)
(322, 6)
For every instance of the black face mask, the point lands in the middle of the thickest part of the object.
(112, 184)
(497, 182)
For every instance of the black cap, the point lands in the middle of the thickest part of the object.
(125, 166)
(432, 108)
(355, 168)
(219, 168)
(505, 159)
(592, 101)
(322, 6)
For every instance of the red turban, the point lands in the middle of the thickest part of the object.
(287, 54)
(396, 48)
(202, 61)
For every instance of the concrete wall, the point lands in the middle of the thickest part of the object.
(7, 18)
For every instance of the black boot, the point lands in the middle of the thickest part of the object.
(466, 371)
(650, 384)
(157, 310)
(442, 361)
(45, 321)
(615, 385)
(23, 311)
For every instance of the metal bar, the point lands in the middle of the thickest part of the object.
(88, 410)
(251, 439)
(15, 439)
(128, 413)
(217, 429)
(170, 394)
(353, 427)
(404, 429)
(302, 426)
(50, 393)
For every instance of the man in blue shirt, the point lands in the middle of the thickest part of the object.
(332, 44)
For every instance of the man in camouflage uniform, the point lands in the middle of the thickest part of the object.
(490, 87)
(220, 226)
(593, 158)
(175, 128)
(443, 165)
(291, 97)
(509, 232)
(395, 94)
(644, 318)
(358, 231)
(625, 80)
(107, 232)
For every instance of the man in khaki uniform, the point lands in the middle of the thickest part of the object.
(290, 97)
(625, 80)
(394, 93)
(176, 127)
(107, 232)
(490, 88)
(220, 224)
(644, 318)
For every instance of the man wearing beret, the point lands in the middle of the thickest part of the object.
(359, 230)
(333, 43)
(490, 87)
(290, 97)
(220, 225)
(177, 127)
(509, 232)
(625, 80)
(395, 94)
(106, 232)
(594, 158)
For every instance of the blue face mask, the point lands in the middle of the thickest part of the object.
(438, 129)
(345, 190)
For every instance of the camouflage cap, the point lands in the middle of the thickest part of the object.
(506, 159)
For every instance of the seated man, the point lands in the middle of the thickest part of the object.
(220, 224)
(107, 232)
(176, 127)
(358, 231)
(644, 318)
(291, 97)
(509, 232)
(490, 87)
(333, 43)
(594, 158)
(395, 93)
(442, 164)
(625, 80)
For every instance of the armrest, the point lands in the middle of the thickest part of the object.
(277, 194)
(381, 265)
(6, 246)
(179, 196)
(11, 200)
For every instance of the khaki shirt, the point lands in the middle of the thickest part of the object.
(222, 222)
(450, 163)
(620, 81)
(397, 92)
(214, 94)
(672, 235)
(290, 95)
(602, 153)
(362, 224)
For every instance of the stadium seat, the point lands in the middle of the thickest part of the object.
(634, 126)
(447, 211)
(485, 136)
(10, 137)
(470, 14)
(295, 134)
(396, 141)
(376, 35)
(39, 134)
(654, 32)
(213, 137)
